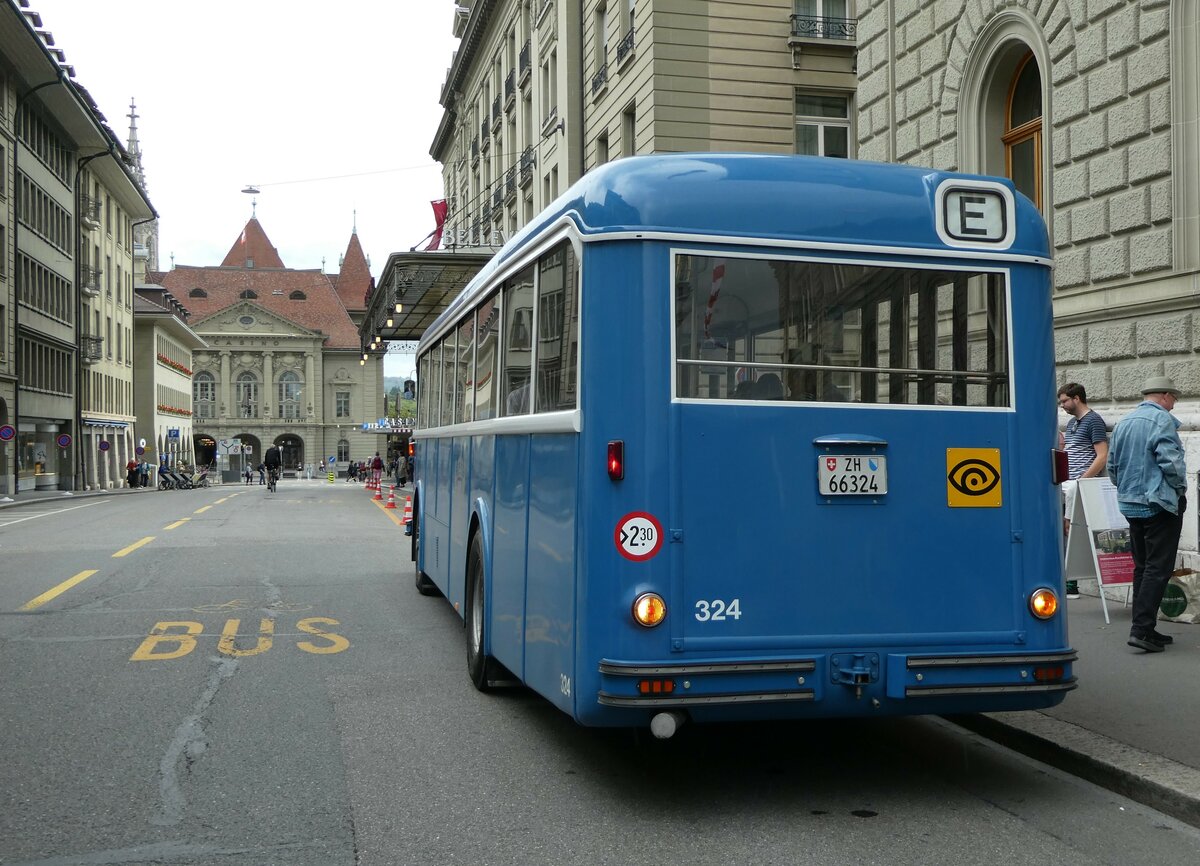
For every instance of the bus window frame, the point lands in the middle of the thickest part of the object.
(953, 262)
(561, 421)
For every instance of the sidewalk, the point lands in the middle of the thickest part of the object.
(1132, 725)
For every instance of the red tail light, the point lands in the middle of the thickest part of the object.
(616, 460)
(1061, 473)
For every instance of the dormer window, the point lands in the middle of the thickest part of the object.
(298, 296)
(197, 293)
(248, 295)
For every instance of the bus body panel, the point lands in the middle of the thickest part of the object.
(550, 584)
(510, 534)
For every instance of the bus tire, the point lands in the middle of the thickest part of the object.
(479, 665)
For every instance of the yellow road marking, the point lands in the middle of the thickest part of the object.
(223, 498)
(58, 590)
(177, 523)
(390, 512)
(131, 548)
(202, 510)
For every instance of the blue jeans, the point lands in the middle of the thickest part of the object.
(1154, 540)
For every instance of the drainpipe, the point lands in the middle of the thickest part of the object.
(81, 462)
(16, 227)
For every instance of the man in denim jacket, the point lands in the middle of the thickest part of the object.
(1145, 462)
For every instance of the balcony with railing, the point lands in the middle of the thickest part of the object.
(474, 150)
(600, 79)
(526, 166)
(510, 185)
(510, 90)
(496, 111)
(92, 348)
(89, 212)
(625, 48)
(89, 280)
(524, 64)
(498, 197)
(820, 28)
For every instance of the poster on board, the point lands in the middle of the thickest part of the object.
(1098, 543)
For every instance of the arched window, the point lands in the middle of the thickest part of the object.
(298, 296)
(197, 293)
(204, 395)
(343, 451)
(1023, 130)
(291, 389)
(248, 295)
(247, 395)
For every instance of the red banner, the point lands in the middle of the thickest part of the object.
(439, 213)
(1115, 568)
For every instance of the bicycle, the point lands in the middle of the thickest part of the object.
(272, 477)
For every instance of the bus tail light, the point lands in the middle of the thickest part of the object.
(649, 609)
(616, 460)
(1043, 603)
(1061, 472)
(1049, 673)
(655, 687)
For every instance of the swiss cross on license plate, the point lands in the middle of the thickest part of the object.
(852, 475)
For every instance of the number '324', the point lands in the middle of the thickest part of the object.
(718, 610)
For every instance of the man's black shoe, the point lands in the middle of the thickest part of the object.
(1144, 643)
(1162, 639)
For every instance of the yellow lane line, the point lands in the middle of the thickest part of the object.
(391, 513)
(131, 548)
(224, 499)
(58, 590)
(177, 523)
(202, 510)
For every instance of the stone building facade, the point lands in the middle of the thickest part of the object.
(1093, 107)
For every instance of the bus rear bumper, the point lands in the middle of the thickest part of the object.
(845, 683)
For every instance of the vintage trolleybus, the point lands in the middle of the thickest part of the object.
(734, 436)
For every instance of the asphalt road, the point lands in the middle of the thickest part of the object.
(259, 683)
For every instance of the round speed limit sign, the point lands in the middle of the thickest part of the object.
(638, 536)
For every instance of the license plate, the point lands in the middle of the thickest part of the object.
(852, 475)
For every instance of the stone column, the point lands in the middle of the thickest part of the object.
(223, 386)
(311, 392)
(268, 381)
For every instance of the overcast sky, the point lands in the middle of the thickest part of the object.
(328, 108)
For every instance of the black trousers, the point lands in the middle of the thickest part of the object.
(1154, 540)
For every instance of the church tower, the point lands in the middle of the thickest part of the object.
(145, 236)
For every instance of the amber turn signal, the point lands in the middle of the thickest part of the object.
(1043, 603)
(649, 609)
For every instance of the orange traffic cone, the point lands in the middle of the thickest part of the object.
(407, 510)
(391, 503)
(378, 497)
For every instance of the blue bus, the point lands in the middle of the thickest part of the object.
(743, 436)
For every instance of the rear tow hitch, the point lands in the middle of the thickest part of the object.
(854, 669)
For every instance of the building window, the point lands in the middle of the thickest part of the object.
(1023, 130)
(343, 451)
(341, 408)
(629, 130)
(197, 293)
(247, 396)
(248, 295)
(204, 395)
(602, 148)
(291, 389)
(822, 124)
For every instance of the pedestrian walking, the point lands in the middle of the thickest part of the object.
(1086, 443)
(1146, 463)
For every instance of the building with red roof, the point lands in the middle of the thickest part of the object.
(282, 365)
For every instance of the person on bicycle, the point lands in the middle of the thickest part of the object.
(273, 460)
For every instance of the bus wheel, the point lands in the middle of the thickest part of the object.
(478, 663)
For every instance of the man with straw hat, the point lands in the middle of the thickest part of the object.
(1146, 464)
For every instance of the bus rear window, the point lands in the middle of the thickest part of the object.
(797, 330)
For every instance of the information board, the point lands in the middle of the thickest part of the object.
(1098, 544)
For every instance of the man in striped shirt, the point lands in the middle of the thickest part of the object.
(1086, 441)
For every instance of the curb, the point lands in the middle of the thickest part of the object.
(1152, 780)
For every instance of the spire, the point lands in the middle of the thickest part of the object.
(253, 249)
(354, 224)
(134, 147)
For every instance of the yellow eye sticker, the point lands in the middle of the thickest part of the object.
(973, 478)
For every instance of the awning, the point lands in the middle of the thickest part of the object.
(424, 284)
(96, 422)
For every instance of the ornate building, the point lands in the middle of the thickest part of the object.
(283, 360)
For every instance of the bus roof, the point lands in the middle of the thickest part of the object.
(786, 198)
